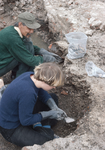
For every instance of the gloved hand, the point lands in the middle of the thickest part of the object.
(52, 114)
(50, 57)
(62, 114)
(52, 105)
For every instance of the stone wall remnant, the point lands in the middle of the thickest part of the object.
(70, 16)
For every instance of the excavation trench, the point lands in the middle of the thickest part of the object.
(74, 100)
(74, 96)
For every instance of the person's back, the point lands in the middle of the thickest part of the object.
(8, 38)
(16, 99)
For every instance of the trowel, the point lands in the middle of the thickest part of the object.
(68, 119)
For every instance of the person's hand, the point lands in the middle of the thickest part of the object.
(62, 114)
(52, 114)
(52, 105)
(50, 57)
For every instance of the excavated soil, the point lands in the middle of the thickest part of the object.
(75, 102)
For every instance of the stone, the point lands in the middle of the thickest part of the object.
(17, 3)
(102, 27)
(89, 32)
(96, 23)
(1, 10)
(62, 45)
(29, 1)
(22, 3)
(1, 3)
(15, 9)
(91, 20)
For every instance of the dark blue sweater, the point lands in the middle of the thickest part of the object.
(18, 100)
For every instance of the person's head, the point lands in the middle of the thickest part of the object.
(27, 23)
(50, 74)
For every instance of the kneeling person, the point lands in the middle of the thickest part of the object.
(27, 110)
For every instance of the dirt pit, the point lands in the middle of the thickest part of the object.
(75, 101)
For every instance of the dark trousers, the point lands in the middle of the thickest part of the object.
(26, 135)
(16, 66)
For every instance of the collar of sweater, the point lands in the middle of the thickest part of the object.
(18, 30)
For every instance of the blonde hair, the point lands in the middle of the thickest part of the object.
(50, 73)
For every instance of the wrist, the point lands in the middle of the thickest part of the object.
(38, 124)
(51, 103)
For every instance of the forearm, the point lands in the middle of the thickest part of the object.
(36, 49)
(34, 118)
(43, 96)
(21, 54)
(51, 103)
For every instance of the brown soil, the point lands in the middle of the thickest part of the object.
(75, 102)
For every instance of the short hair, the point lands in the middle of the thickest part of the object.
(17, 23)
(50, 73)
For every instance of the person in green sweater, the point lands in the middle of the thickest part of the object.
(17, 52)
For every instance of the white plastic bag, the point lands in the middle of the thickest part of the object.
(77, 45)
(93, 70)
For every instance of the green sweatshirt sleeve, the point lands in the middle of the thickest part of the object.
(36, 48)
(21, 54)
